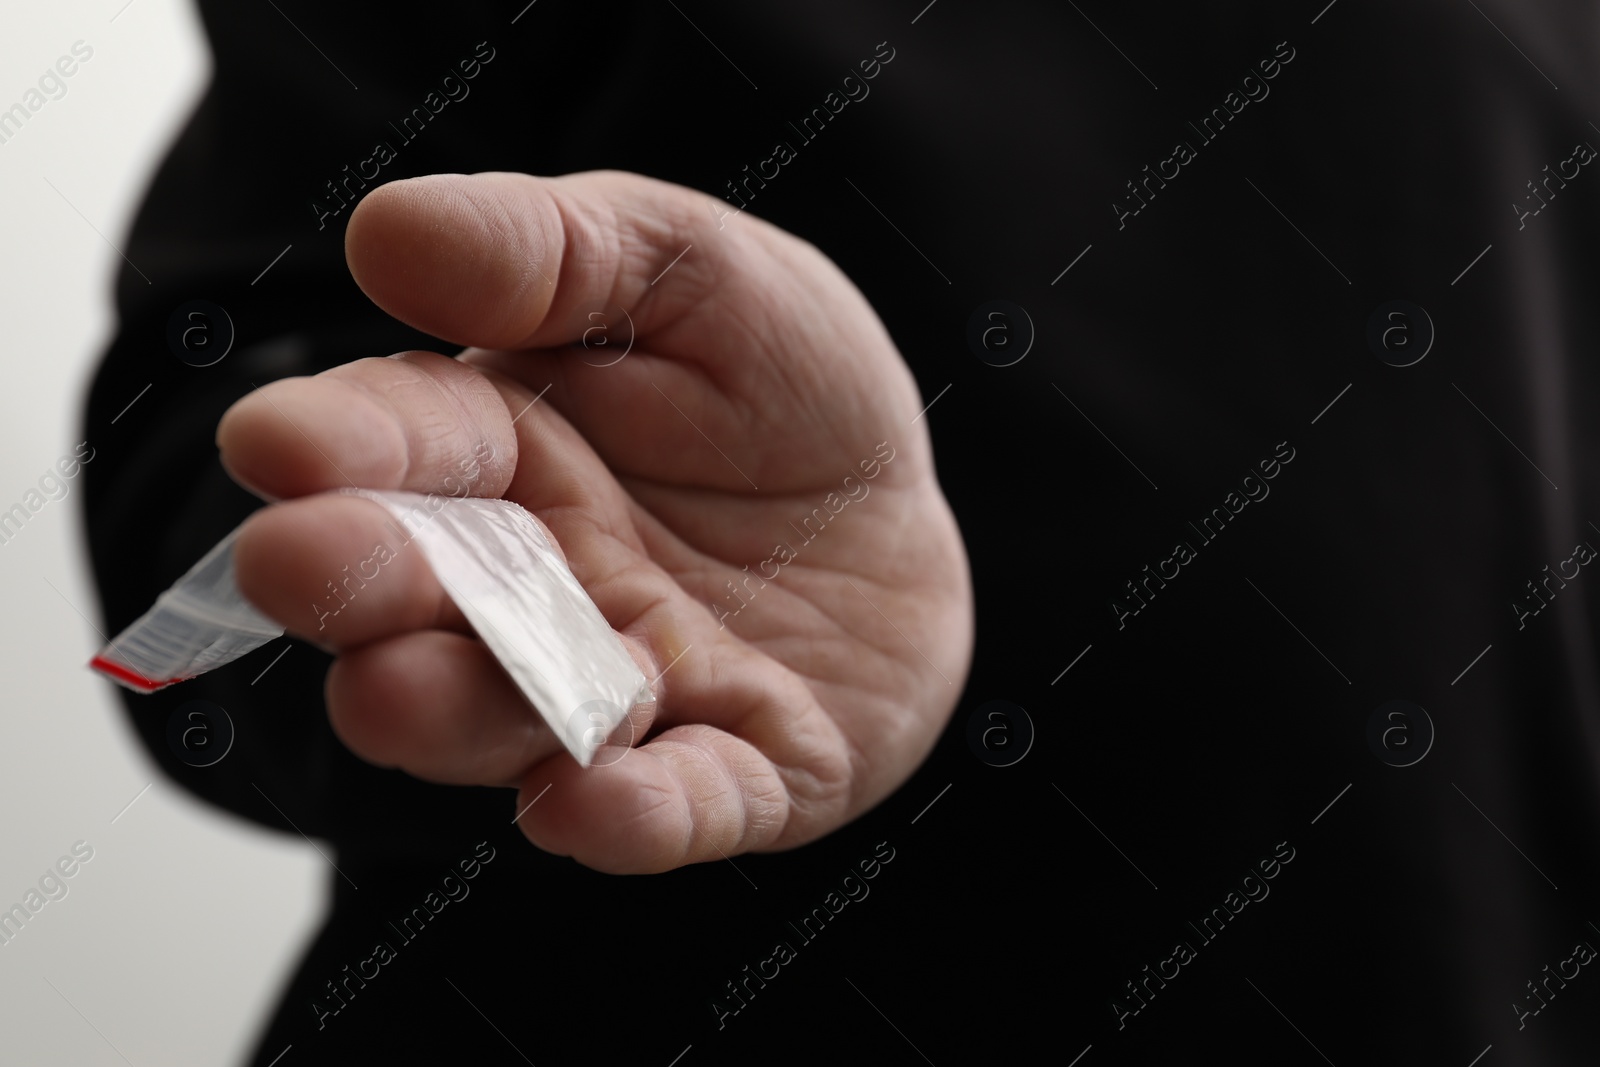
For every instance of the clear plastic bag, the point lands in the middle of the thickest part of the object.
(495, 563)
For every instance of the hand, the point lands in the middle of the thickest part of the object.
(759, 381)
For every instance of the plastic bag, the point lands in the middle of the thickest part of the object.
(493, 560)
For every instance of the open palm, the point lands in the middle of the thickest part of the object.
(747, 495)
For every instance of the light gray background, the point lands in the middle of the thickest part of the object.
(173, 940)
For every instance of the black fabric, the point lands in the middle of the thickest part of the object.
(1193, 741)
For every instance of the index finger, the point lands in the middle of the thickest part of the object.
(417, 421)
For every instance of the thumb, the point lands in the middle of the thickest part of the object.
(509, 261)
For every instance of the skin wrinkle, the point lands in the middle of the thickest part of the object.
(575, 488)
(636, 625)
(407, 432)
(821, 794)
(504, 226)
(792, 383)
(888, 691)
(718, 771)
(855, 753)
(818, 615)
(712, 581)
(818, 300)
(596, 522)
(563, 483)
(561, 398)
(908, 658)
(664, 795)
(802, 565)
(589, 240)
(710, 387)
(764, 816)
(681, 222)
(662, 800)
(891, 696)
(814, 801)
(583, 232)
(855, 781)
(798, 498)
(763, 827)
(533, 270)
(464, 423)
(575, 221)
(834, 799)
(727, 382)
(653, 257)
(825, 750)
(653, 534)
(638, 630)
